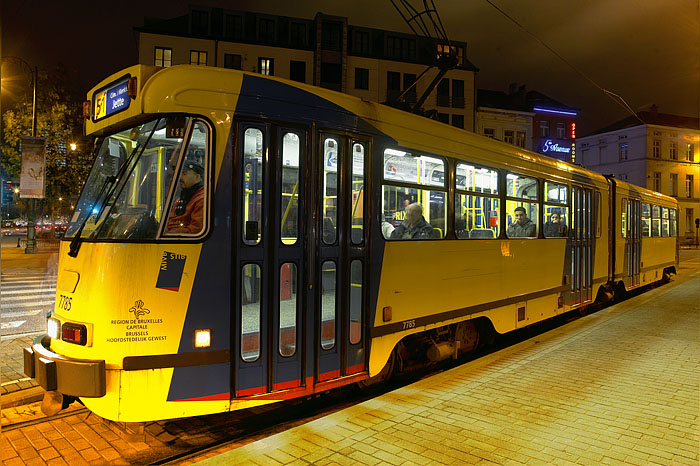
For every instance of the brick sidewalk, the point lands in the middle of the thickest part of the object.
(12, 377)
(618, 387)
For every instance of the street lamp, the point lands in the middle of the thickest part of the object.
(31, 214)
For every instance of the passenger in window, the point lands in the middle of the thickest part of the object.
(414, 225)
(523, 227)
(188, 214)
(554, 228)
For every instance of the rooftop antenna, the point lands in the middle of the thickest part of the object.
(426, 23)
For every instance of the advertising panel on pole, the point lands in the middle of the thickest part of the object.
(32, 179)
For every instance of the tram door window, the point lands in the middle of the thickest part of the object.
(342, 208)
(250, 311)
(635, 229)
(253, 185)
(581, 245)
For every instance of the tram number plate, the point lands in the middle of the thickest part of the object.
(409, 324)
(64, 302)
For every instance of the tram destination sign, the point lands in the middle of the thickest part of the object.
(112, 99)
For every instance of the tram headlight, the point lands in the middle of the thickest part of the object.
(202, 338)
(52, 327)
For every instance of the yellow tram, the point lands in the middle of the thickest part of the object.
(244, 239)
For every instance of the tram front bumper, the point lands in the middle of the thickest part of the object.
(74, 377)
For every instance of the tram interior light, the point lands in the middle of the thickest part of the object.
(398, 153)
(202, 338)
(52, 328)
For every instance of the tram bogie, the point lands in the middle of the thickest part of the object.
(245, 239)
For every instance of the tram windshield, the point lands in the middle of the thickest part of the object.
(126, 192)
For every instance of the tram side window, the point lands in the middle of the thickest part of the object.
(556, 210)
(477, 204)
(188, 212)
(289, 205)
(332, 156)
(521, 206)
(655, 221)
(673, 228)
(414, 196)
(252, 185)
(664, 221)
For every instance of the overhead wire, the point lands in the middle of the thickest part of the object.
(618, 99)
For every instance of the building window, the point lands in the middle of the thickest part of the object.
(674, 184)
(544, 128)
(266, 66)
(458, 121)
(297, 71)
(266, 30)
(673, 151)
(400, 47)
(331, 36)
(443, 93)
(198, 57)
(656, 149)
(360, 42)
(233, 27)
(164, 57)
(298, 36)
(561, 131)
(689, 220)
(689, 152)
(458, 93)
(490, 133)
(444, 118)
(689, 186)
(232, 61)
(200, 20)
(520, 139)
(361, 78)
(657, 182)
(393, 85)
(508, 136)
(623, 151)
(622, 177)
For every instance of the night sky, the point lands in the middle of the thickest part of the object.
(647, 51)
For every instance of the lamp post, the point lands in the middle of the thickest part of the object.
(31, 213)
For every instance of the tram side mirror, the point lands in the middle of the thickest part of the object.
(251, 230)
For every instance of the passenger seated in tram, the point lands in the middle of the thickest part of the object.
(522, 227)
(414, 225)
(188, 214)
(554, 228)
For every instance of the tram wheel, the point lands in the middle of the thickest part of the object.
(376, 383)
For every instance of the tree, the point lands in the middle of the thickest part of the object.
(59, 120)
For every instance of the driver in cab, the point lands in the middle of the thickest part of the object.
(188, 214)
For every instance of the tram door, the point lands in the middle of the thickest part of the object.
(633, 241)
(581, 245)
(341, 265)
(299, 259)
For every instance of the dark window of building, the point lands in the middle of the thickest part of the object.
(458, 93)
(360, 42)
(331, 36)
(164, 57)
(266, 66)
(200, 20)
(508, 136)
(408, 80)
(266, 30)
(520, 139)
(232, 61)
(331, 76)
(458, 121)
(444, 118)
(393, 85)
(298, 37)
(544, 128)
(443, 93)
(401, 48)
(561, 131)
(490, 133)
(361, 78)
(297, 71)
(233, 27)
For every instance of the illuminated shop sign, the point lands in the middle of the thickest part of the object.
(573, 131)
(551, 146)
(554, 111)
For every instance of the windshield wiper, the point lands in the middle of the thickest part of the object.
(112, 182)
